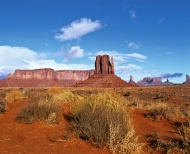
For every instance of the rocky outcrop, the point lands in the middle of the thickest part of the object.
(104, 76)
(45, 77)
(103, 65)
(131, 82)
(187, 80)
(155, 81)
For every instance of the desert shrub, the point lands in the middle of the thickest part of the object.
(157, 110)
(41, 109)
(14, 96)
(184, 130)
(3, 106)
(2, 94)
(54, 90)
(103, 119)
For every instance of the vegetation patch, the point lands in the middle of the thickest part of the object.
(3, 106)
(102, 118)
(157, 110)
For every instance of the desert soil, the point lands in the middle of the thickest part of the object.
(40, 137)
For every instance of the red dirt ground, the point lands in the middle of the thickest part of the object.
(38, 137)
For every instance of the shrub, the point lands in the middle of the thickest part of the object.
(54, 90)
(14, 96)
(184, 130)
(157, 110)
(102, 118)
(3, 106)
(41, 109)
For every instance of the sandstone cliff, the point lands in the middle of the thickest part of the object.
(45, 77)
(50, 74)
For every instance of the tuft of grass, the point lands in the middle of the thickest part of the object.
(102, 118)
(40, 110)
(157, 110)
(184, 131)
(14, 96)
(3, 106)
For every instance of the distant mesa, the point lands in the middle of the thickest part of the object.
(45, 77)
(155, 81)
(104, 75)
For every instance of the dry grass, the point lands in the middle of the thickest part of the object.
(14, 95)
(158, 110)
(102, 118)
(3, 106)
(42, 109)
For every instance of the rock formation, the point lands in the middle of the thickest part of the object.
(131, 82)
(187, 80)
(104, 75)
(155, 81)
(45, 77)
(103, 65)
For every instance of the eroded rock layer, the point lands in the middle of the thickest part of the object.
(45, 77)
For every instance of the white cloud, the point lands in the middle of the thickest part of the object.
(78, 28)
(120, 57)
(74, 52)
(136, 56)
(128, 67)
(12, 58)
(132, 14)
(134, 45)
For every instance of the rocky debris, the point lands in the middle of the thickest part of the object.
(45, 77)
(187, 80)
(103, 65)
(104, 76)
(155, 81)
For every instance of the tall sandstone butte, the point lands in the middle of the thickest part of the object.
(104, 76)
(103, 65)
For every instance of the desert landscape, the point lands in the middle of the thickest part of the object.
(94, 77)
(101, 114)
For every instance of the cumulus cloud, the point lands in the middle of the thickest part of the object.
(133, 45)
(168, 75)
(74, 52)
(23, 58)
(132, 14)
(78, 28)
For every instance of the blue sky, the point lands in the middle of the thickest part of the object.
(145, 37)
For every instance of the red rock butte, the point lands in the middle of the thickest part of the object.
(104, 76)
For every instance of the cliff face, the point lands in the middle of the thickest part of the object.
(50, 74)
(103, 65)
(45, 78)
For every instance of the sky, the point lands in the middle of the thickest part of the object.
(147, 38)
